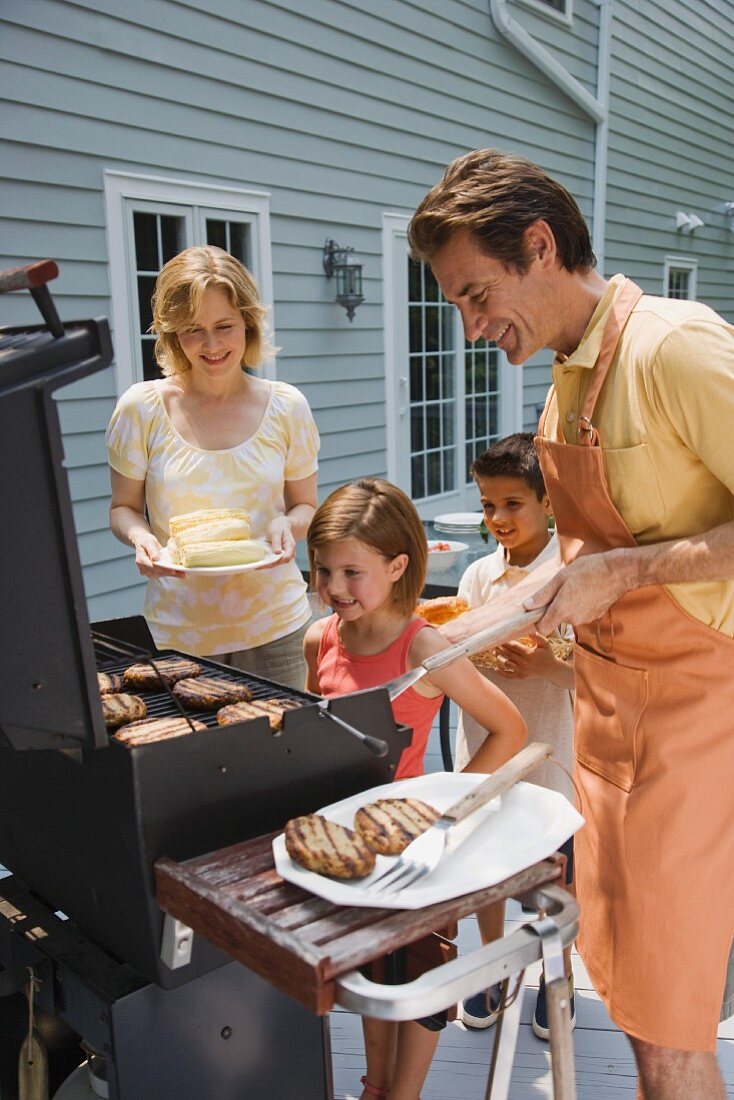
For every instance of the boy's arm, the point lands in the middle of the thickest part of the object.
(539, 663)
(311, 643)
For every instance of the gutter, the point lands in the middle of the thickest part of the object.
(597, 107)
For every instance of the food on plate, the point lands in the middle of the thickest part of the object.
(272, 709)
(438, 546)
(210, 525)
(390, 824)
(213, 537)
(108, 682)
(198, 555)
(156, 729)
(207, 693)
(171, 669)
(322, 846)
(441, 609)
(118, 710)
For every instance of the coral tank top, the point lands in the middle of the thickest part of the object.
(341, 672)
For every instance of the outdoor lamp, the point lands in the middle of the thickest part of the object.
(340, 262)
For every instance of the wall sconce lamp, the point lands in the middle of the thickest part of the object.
(686, 223)
(340, 262)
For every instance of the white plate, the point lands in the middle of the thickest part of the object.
(527, 824)
(213, 570)
(459, 520)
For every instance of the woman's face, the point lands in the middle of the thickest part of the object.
(215, 342)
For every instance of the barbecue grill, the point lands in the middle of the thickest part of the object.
(85, 817)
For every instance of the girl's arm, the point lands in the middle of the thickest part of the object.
(479, 697)
(311, 643)
(300, 504)
(128, 524)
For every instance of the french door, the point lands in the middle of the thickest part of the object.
(448, 399)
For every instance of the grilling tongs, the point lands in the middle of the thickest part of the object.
(511, 627)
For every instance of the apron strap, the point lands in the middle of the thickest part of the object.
(622, 307)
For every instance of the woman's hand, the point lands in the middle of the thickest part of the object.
(147, 551)
(280, 537)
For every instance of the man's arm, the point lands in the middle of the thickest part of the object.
(585, 589)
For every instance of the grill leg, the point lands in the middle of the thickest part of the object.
(559, 1009)
(505, 1041)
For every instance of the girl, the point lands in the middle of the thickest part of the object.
(367, 550)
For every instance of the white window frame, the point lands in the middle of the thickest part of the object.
(395, 311)
(684, 263)
(565, 16)
(194, 201)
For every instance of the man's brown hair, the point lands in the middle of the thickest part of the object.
(382, 517)
(496, 196)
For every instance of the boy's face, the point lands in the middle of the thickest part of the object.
(514, 516)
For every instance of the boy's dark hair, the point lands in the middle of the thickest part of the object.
(513, 456)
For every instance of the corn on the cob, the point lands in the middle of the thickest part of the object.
(211, 525)
(230, 552)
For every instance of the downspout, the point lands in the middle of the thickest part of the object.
(597, 107)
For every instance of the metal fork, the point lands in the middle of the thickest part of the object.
(426, 851)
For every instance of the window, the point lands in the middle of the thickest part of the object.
(149, 221)
(679, 280)
(559, 10)
(447, 399)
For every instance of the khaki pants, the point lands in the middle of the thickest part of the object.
(281, 660)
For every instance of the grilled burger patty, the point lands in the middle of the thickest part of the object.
(120, 709)
(155, 729)
(109, 682)
(390, 824)
(171, 669)
(207, 693)
(273, 709)
(323, 846)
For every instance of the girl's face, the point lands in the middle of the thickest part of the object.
(215, 341)
(355, 580)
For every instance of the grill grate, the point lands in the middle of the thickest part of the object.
(161, 703)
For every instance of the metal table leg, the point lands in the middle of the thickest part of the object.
(505, 1040)
(495, 962)
(559, 1008)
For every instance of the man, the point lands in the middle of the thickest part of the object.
(636, 454)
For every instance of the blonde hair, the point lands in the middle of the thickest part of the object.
(178, 296)
(382, 517)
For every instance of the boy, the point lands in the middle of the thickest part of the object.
(516, 512)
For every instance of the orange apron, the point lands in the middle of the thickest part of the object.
(654, 747)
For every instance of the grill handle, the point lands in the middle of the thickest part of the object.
(34, 277)
(374, 744)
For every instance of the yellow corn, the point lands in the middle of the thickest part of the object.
(228, 552)
(210, 525)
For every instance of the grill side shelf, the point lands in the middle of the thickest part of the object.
(298, 942)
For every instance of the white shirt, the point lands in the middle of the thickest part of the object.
(547, 708)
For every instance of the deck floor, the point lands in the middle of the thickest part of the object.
(604, 1065)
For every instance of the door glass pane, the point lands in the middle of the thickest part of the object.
(229, 235)
(158, 237)
(432, 335)
(481, 378)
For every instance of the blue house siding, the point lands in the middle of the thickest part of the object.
(341, 112)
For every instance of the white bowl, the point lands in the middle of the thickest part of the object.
(440, 561)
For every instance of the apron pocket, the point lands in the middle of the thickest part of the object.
(610, 700)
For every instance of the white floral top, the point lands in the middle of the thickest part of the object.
(217, 614)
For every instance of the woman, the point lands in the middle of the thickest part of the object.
(211, 435)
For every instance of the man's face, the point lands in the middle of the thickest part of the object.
(516, 312)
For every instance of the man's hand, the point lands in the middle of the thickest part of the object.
(582, 591)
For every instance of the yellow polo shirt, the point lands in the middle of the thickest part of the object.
(665, 418)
